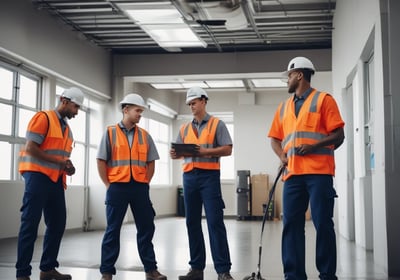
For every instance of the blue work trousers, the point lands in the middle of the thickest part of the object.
(298, 192)
(203, 187)
(118, 197)
(41, 195)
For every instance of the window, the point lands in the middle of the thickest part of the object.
(228, 163)
(19, 101)
(369, 115)
(160, 132)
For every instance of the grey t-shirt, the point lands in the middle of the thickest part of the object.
(104, 151)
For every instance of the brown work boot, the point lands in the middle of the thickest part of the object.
(193, 274)
(23, 278)
(225, 276)
(106, 276)
(155, 275)
(54, 275)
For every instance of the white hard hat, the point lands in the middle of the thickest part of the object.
(299, 62)
(195, 92)
(74, 95)
(134, 99)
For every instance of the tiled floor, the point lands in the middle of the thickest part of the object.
(80, 253)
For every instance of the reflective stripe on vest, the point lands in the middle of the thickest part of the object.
(55, 143)
(127, 162)
(305, 129)
(206, 139)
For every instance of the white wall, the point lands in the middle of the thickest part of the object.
(11, 194)
(37, 39)
(355, 22)
(10, 202)
(214, 63)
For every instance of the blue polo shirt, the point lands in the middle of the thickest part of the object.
(298, 101)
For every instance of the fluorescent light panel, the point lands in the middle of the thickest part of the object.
(225, 84)
(178, 85)
(268, 83)
(258, 83)
(194, 84)
(178, 35)
(155, 16)
(164, 24)
(167, 86)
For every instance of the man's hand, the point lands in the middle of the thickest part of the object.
(173, 154)
(69, 167)
(304, 149)
(283, 158)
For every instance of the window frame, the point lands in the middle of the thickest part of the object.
(231, 128)
(144, 123)
(13, 138)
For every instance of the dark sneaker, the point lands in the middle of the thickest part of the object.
(225, 276)
(155, 275)
(193, 274)
(54, 275)
(106, 276)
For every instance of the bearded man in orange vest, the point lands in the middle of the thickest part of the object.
(305, 131)
(126, 163)
(202, 186)
(44, 164)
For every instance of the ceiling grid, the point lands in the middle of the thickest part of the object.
(271, 24)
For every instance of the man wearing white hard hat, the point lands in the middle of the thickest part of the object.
(44, 164)
(202, 186)
(126, 164)
(305, 131)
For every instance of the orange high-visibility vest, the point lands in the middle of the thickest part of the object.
(305, 129)
(55, 143)
(206, 139)
(127, 162)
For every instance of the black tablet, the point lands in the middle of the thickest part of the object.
(185, 149)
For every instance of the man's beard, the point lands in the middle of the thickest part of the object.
(291, 89)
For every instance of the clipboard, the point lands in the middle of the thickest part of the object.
(185, 149)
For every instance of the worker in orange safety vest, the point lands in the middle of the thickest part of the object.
(305, 131)
(202, 185)
(44, 164)
(126, 165)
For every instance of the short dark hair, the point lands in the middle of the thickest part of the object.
(307, 73)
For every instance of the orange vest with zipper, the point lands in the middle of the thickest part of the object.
(127, 162)
(56, 143)
(206, 139)
(305, 129)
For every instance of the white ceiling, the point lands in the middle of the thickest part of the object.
(271, 25)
